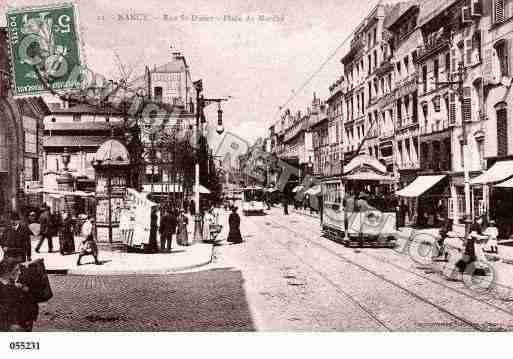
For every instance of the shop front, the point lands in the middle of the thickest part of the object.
(427, 199)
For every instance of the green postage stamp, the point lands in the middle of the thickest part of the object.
(44, 49)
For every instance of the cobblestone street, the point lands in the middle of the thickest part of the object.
(283, 277)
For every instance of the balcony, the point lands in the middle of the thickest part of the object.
(432, 46)
(385, 67)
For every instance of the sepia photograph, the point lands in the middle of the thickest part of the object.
(225, 166)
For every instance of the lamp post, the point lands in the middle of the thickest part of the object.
(201, 103)
(467, 220)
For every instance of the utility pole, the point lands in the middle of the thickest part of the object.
(467, 220)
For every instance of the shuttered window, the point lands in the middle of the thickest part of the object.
(452, 109)
(468, 52)
(499, 11)
(502, 132)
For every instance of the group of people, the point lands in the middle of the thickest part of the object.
(172, 223)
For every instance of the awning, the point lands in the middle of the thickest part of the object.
(203, 190)
(499, 172)
(314, 191)
(74, 141)
(58, 194)
(297, 189)
(505, 184)
(419, 186)
(369, 176)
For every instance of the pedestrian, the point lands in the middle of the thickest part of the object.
(45, 230)
(167, 228)
(192, 208)
(66, 235)
(182, 237)
(153, 245)
(18, 310)
(403, 210)
(88, 246)
(208, 221)
(493, 234)
(234, 235)
(285, 205)
(15, 241)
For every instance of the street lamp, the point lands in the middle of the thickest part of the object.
(201, 103)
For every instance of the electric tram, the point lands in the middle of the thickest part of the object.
(253, 200)
(358, 208)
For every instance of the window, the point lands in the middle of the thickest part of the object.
(502, 131)
(448, 63)
(424, 78)
(406, 61)
(406, 105)
(436, 103)
(399, 112)
(35, 169)
(157, 92)
(399, 68)
(502, 54)
(76, 118)
(498, 11)
(375, 35)
(436, 71)
(375, 58)
(369, 60)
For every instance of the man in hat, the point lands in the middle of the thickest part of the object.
(45, 230)
(15, 241)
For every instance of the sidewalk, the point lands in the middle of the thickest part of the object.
(120, 263)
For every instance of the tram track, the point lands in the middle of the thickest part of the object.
(402, 288)
(458, 291)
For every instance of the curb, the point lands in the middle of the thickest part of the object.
(86, 272)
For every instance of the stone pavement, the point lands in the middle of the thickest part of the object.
(112, 263)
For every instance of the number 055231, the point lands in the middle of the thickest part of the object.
(24, 345)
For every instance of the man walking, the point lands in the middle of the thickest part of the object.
(168, 224)
(45, 230)
(285, 205)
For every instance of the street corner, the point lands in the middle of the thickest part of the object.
(122, 263)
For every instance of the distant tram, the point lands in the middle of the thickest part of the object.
(358, 208)
(253, 200)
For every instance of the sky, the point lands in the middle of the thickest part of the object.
(260, 64)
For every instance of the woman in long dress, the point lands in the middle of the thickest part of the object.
(208, 220)
(66, 237)
(234, 235)
(182, 236)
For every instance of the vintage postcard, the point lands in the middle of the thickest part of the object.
(228, 166)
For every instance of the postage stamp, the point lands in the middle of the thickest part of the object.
(44, 49)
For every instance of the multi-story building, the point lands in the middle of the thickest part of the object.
(329, 144)
(399, 103)
(367, 74)
(491, 99)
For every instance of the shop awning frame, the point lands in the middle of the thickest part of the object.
(499, 172)
(420, 185)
